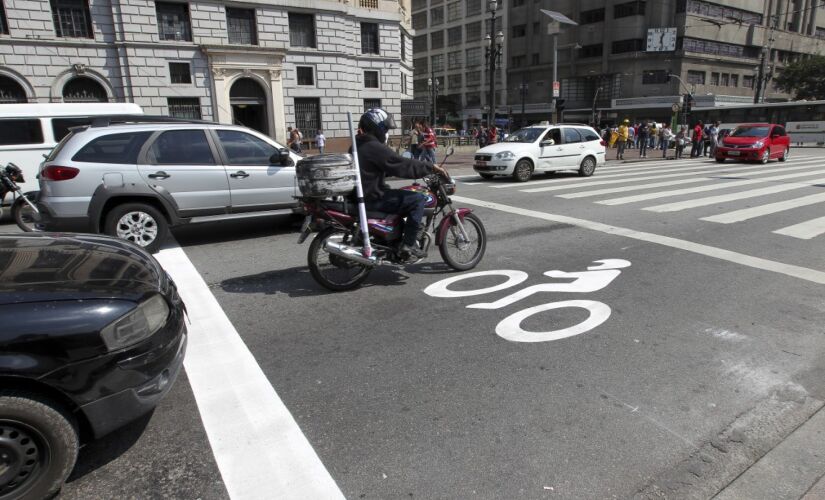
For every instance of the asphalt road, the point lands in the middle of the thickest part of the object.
(709, 351)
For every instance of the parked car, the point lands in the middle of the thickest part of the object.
(756, 142)
(93, 337)
(28, 132)
(546, 148)
(445, 132)
(134, 180)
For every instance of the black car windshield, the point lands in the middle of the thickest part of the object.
(525, 135)
(746, 131)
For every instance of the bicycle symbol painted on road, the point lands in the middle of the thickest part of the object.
(595, 278)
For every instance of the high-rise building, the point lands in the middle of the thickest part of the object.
(264, 64)
(718, 51)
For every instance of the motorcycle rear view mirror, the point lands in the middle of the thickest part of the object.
(406, 154)
(450, 151)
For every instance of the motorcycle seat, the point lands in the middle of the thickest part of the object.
(351, 208)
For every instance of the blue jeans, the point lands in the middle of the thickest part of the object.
(405, 203)
(427, 154)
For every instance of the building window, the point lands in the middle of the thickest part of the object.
(305, 75)
(438, 63)
(11, 91)
(403, 84)
(437, 40)
(420, 86)
(636, 8)
(454, 11)
(419, 21)
(473, 78)
(535, 59)
(179, 72)
(591, 16)
(241, 26)
(403, 47)
(632, 45)
(473, 58)
(719, 48)
(71, 19)
(4, 26)
(725, 80)
(518, 61)
(436, 16)
(308, 114)
(654, 77)
(717, 11)
(747, 81)
(184, 107)
(419, 4)
(473, 31)
(420, 44)
(595, 50)
(301, 30)
(473, 7)
(454, 36)
(518, 3)
(420, 66)
(819, 33)
(173, 21)
(371, 79)
(697, 77)
(714, 78)
(372, 104)
(734, 80)
(454, 82)
(473, 98)
(369, 39)
(520, 31)
(83, 89)
(454, 60)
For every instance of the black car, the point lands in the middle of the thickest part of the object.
(92, 336)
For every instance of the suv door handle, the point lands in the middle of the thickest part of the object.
(240, 174)
(159, 175)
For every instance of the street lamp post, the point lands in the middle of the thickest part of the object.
(495, 44)
(596, 96)
(553, 29)
(689, 93)
(523, 88)
(433, 85)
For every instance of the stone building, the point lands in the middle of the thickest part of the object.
(263, 64)
(717, 53)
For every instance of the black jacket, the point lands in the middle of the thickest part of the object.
(378, 162)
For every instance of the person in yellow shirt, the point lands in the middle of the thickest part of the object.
(622, 139)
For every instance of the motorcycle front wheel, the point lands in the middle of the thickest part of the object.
(332, 271)
(23, 215)
(461, 254)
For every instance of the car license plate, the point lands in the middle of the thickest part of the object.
(733, 153)
(481, 164)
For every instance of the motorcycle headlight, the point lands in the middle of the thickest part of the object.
(505, 155)
(147, 318)
(758, 144)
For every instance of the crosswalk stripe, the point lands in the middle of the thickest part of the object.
(683, 173)
(636, 187)
(727, 184)
(741, 195)
(804, 230)
(770, 208)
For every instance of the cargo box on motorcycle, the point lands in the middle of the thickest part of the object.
(326, 175)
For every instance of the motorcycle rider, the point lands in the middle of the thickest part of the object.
(378, 161)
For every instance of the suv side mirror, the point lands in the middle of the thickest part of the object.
(548, 142)
(281, 158)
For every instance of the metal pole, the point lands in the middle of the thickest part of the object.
(366, 251)
(523, 98)
(491, 116)
(555, 76)
(596, 96)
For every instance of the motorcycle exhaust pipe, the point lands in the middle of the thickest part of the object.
(349, 253)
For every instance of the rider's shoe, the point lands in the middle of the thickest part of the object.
(414, 252)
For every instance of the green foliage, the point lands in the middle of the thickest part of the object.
(805, 78)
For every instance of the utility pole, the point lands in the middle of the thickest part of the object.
(523, 88)
(553, 29)
(494, 43)
(762, 75)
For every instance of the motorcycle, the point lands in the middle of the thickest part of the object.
(23, 208)
(338, 258)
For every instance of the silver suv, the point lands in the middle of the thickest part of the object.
(134, 180)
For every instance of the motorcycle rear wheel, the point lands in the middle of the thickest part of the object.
(331, 271)
(464, 255)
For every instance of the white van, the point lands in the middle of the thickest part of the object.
(29, 131)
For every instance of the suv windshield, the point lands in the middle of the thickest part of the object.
(750, 132)
(525, 135)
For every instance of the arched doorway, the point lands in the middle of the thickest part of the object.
(84, 89)
(248, 100)
(11, 91)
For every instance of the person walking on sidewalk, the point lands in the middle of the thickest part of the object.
(631, 137)
(653, 135)
(320, 141)
(681, 141)
(644, 132)
(714, 138)
(696, 149)
(665, 136)
(415, 140)
(429, 143)
(621, 140)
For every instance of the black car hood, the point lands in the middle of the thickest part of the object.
(42, 267)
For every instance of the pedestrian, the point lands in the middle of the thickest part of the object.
(714, 138)
(320, 141)
(696, 148)
(492, 134)
(294, 139)
(644, 132)
(621, 140)
(681, 141)
(706, 140)
(415, 150)
(428, 143)
(631, 137)
(665, 136)
(653, 135)
(482, 137)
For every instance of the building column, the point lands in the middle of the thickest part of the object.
(277, 111)
(221, 108)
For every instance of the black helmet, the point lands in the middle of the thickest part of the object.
(377, 123)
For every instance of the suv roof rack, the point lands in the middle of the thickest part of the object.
(106, 120)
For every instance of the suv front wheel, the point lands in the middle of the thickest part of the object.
(140, 223)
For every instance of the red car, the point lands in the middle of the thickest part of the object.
(755, 142)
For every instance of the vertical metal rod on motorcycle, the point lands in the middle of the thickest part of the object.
(366, 251)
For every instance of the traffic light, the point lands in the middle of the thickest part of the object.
(559, 105)
(688, 103)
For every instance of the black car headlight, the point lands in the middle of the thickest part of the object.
(147, 318)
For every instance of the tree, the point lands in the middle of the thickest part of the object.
(804, 78)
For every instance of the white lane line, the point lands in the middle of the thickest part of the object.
(799, 272)
(662, 194)
(683, 173)
(804, 230)
(761, 210)
(725, 198)
(259, 448)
